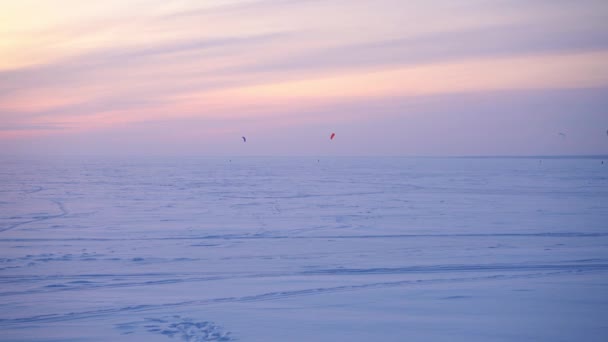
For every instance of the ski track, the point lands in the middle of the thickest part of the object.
(60, 205)
(270, 296)
(95, 281)
(287, 237)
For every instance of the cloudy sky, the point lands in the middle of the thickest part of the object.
(390, 77)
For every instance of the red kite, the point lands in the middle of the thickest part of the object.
(333, 135)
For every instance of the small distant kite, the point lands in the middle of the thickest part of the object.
(563, 135)
(244, 139)
(332, 136)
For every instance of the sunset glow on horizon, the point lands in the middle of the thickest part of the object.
(191, 77)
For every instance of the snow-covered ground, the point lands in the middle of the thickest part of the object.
(303, 249)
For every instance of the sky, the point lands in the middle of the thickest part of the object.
(389, 77)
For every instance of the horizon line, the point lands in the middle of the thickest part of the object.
(463, 156)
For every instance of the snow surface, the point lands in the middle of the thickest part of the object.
(304, 249)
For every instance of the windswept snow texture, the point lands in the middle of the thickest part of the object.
(304, 249)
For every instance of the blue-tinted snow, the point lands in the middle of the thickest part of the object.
(303, 249)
